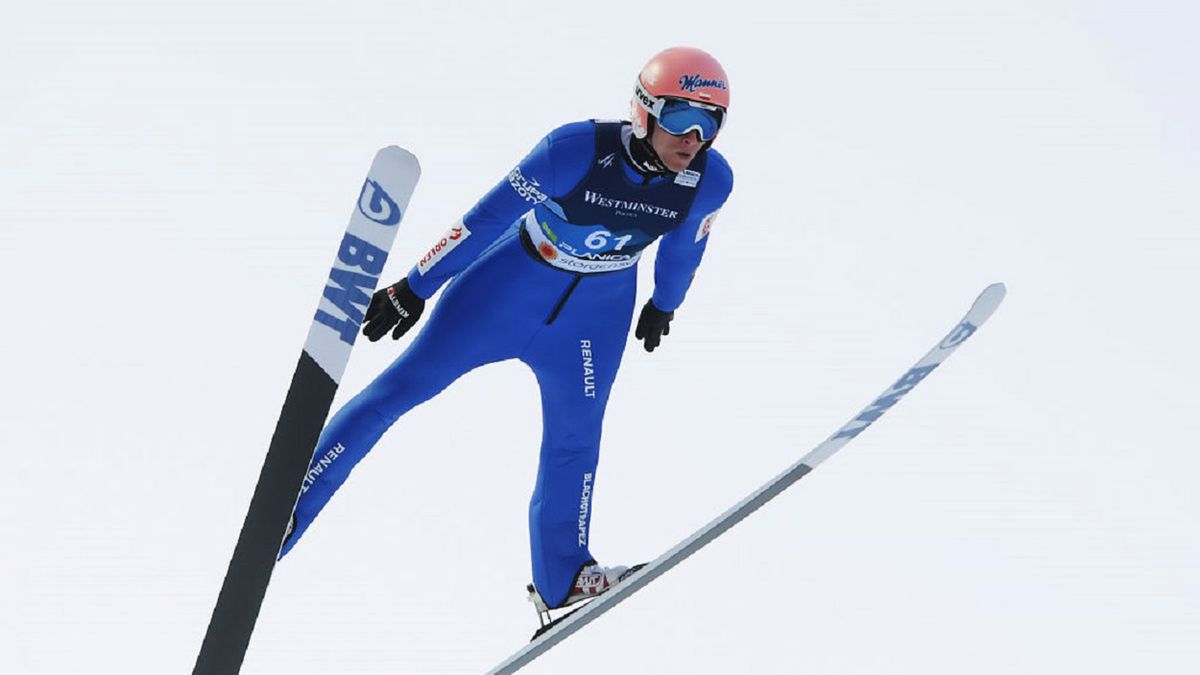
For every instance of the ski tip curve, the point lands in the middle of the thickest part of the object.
(398, 155)
(986, 303)
(994, 292)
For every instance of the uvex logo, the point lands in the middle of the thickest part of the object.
(644, 97)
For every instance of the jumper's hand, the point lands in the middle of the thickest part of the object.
(396, 306)
(653, 323)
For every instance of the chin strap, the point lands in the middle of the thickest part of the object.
(642, 155)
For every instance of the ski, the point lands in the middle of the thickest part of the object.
(984, 306)
(360, 258)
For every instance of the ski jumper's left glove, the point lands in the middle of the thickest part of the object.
(396, 306)
(653, 323)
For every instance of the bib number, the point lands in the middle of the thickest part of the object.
(600, 238)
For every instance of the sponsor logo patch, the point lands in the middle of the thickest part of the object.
(607, 160)
(960, 333)
(529, 189)
(890, 398)
(706, 225)
(694, 82)
(585, 500)
(324, 462)
(644, 98)
(561, 254)
(687, 178)
(624, 207)
(352, 280)
(391, 293)
(376, 205)
(443, 247)
(589, 371)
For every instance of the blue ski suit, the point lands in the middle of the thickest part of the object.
(544, 270)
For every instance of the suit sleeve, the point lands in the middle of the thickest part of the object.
(530, 182)
(681, 249)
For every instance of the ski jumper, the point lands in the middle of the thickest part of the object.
(544, 270)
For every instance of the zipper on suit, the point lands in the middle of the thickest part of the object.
(561, 303)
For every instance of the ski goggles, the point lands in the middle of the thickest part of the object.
(680, 117)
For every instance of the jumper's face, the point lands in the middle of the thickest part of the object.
(676, 152)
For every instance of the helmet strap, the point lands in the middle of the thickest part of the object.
(643, 155)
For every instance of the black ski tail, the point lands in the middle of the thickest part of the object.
(304, 411)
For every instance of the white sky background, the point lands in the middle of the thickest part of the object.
(174, 180)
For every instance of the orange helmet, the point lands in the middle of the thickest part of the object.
(683, 89)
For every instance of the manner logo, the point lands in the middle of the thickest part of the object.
(694, 82)
(376, 205)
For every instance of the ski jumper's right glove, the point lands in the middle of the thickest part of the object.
(653, 323)
(395, 306)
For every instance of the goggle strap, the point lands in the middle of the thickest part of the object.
(649, 102)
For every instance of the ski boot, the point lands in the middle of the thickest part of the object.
(592, 581)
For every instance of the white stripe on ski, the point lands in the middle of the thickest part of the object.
(382, 202)
(984, 306)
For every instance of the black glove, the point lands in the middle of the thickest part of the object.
(397, 305)
(652, 325)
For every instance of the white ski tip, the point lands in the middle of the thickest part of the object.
(985, 304)
(396, 155)
(382, 203)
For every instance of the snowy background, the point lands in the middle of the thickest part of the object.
(174, 180)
